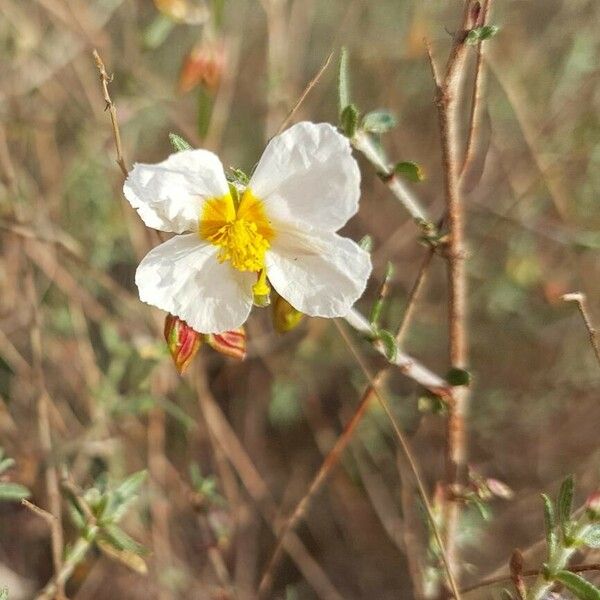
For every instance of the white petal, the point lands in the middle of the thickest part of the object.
(183, 277)
(169, 195)
(319, 273)
(308, 174)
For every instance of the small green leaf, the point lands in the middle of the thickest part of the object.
(4, 594)
(119, 539)
(349, 120)
(579, 586)
(409, 170)
(5, 464)
(239, 176)
(343, 82)
(480, 34)
(591, 538)
(379, 121)
(13, 492)
(458, 377)
(178, 142)
(390, 348)
(366, 243)
(565, 503)
(549, 525)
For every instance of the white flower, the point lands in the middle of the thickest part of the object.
(305, 187)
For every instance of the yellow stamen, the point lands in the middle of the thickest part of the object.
(243, 235)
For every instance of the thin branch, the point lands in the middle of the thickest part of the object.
(413, 296)
(257, 488)
(40, 512)
(45, 435)
(327, 466)
(105, 79)
(448, 115)
(410, 460)
(408, 365)
(581, 300)
(529, 573)
(477, 93)
(305, 93)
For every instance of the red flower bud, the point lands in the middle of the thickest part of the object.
(183, 342)
(593, 504)
(202, 66)
(231, 343)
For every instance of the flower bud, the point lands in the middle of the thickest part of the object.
(231, 343)
(183, 342)
(593, 505)
(285, 316)
(202, 66)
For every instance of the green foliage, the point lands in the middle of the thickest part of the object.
(349, 120)
(10, 492)
(480, 34)
(179, 143)
(549, 525)
(409, 170)
(343, 82)
(206, 486)
(4, 593)
(591, 537)
(366, 243)
(238, 176)
(458, 377)
(388, 341)
(565, 504)
(580, 587)
(108, 507)
(379, 121)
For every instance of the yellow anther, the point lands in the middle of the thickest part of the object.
(243, 235)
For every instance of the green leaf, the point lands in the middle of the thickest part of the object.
(5, 464)
(366, 243)
(343, 82)
(4, 594)
(122, 541)
(178, 142)
(13, 492)
(565, 503)
(579, 586)
(480, 34)
(458, 377)
(379, 121)
(123, 496)
(409, 170)
(390, 348)
(349, 120)
(549, 525)
(591, 538)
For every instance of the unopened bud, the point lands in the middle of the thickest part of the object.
(285, 316)
(593, 505)
(203, 66)
(231, 343)
(183, 342)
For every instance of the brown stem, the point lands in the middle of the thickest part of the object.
(45, 434)
(105, 79)
(448, 108)
(581, 300)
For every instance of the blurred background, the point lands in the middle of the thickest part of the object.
(234, 444)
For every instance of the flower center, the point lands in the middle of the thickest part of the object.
(243, 232)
